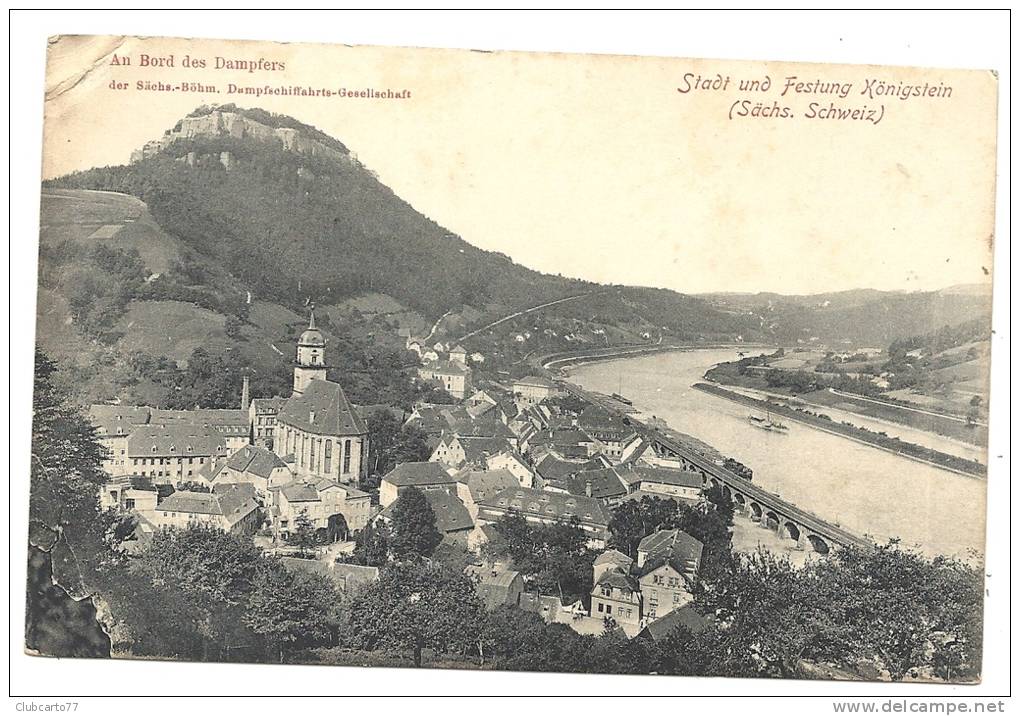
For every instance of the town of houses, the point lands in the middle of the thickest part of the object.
(278, 462)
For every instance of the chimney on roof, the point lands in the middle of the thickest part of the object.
(587, 488)
(245, 394)
(311, 416)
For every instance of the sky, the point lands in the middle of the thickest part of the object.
(597, 166)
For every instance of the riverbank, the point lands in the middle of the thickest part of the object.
(574, 359)
(899, 412)
(894, 445)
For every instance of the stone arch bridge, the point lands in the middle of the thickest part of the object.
(768, 509)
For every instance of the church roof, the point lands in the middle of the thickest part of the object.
(322, 409)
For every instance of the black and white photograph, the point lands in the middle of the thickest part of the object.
(511, 361)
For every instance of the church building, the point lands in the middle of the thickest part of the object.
(317, 428)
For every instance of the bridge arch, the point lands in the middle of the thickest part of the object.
(756, 511)
(792, 531)
(739, 502)
(818, 544)
(771, 520)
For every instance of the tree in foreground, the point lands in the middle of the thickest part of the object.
(886, 612)
(292, 610)
(391, 443)
(413, 532)
(555, 557)
(69, 536)
(417, 606)
(371, 546)
(205, 561)
(303, 535)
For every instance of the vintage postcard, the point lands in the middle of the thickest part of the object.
(398, 357)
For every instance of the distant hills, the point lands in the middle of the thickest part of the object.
(246, 216)
(863, 317)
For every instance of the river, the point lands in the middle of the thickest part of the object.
(863, 489)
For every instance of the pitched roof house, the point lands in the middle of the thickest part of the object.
(497, 586)
(251, 464)
(425, 476)
(232, 510)
(473, 486)
(452, 518)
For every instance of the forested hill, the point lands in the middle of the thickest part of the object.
(291, 223)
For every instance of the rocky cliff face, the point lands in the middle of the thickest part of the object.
(237, 126)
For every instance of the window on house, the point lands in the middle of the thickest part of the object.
(347, 456)
(327, 466)
(609, 609)
(600, 606)
(676, 598)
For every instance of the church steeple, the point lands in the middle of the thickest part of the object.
(311, 356)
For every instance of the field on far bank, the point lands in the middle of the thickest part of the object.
(944, 425)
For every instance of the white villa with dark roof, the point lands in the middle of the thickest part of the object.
(423, 475)
(453, 377)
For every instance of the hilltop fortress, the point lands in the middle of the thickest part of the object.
(234, 124)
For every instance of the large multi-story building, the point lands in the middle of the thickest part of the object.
(543, 507)
(170, 454)
(534, 389)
